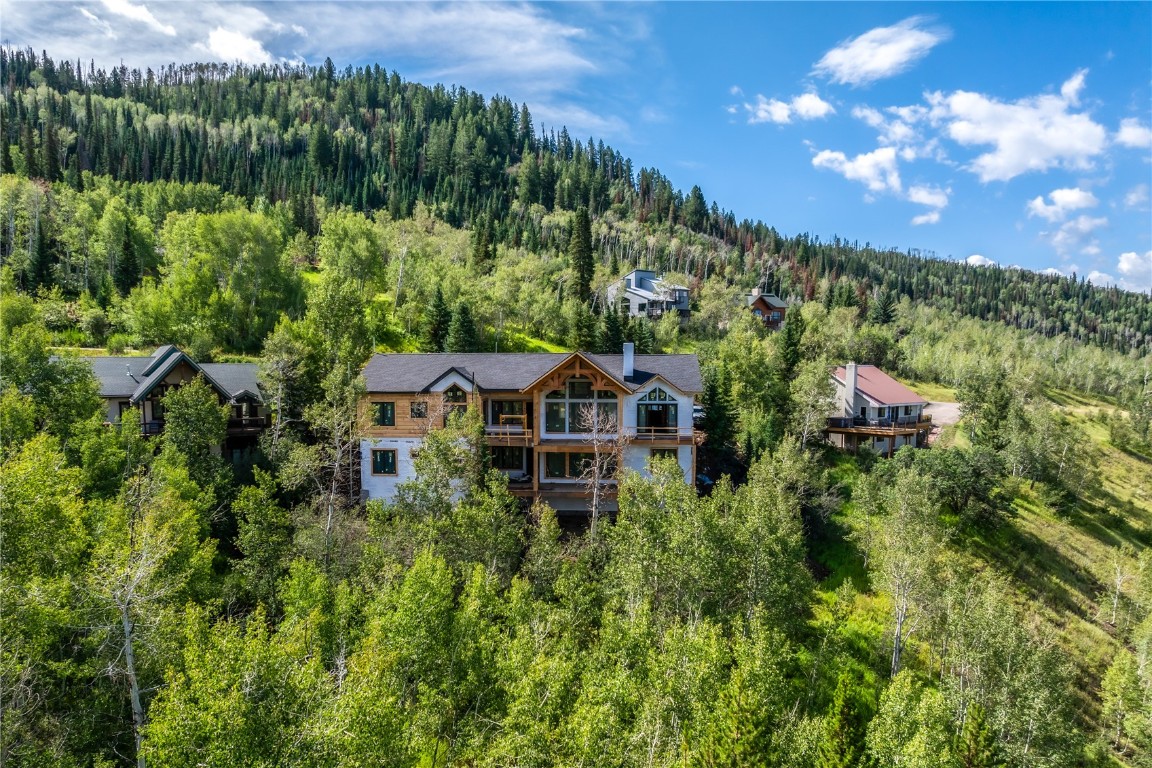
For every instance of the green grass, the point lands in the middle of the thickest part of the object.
(936, 393)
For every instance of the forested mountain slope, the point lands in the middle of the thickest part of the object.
(368, 140)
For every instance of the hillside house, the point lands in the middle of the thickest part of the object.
(140, 383)
(769, 308)
(642, 293)
(875, 411)
(536, 409)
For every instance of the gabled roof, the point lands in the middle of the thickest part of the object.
(770, 299)
(133, 378)
(879, 387)
(514, 372)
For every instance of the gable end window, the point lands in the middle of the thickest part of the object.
(384, 462)
(384, 414)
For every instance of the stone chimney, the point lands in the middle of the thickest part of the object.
(629, 360)
(755, 291)
(850, 389)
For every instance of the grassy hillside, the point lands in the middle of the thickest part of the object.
(1063, 560)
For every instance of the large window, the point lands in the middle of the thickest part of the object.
(383, 462)
(384, 414)
(573, 466)
(573, 408)
(507, 457)
(657, 413)
(508, 413)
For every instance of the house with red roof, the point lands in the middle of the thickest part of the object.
(872, 410)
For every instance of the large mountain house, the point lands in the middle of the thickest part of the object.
(128, 383)
(642, 293)
(549, 418)
(875, 411)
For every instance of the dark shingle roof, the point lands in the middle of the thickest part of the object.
(134, 377)
(512, 372)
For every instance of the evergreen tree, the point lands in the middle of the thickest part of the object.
(28, 148)
(462, 336)
(580, 254)
(482, 250)
(611, 333)
(788, 349)
(436, 324)
(719, 420)
(643, 335)
(127, 273)
(51, 153)
(883, 309)
(581, 326)
(843, 738)
(976, 747)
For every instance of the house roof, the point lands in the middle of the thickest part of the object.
(879, 387)
(513, 372)
(771, 299)
(133, 378)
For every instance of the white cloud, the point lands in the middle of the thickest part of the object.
(807, 106)
(1052, 271)
(1100, 278)
(977, 260)
(1071, 88)
(1078, 234)
(877, 170)
(932, 217)
(736, 90)
(300, 30)
(1133, 134)
(102, 25)
(1063, 201)
(931, 196)
(138, 13)
(1137, 270)
(879, 53)
(229, 45)
(1031, 134)
(1136, 197)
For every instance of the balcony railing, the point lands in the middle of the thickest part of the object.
(920, 421)
(660, 433)
(247, 422)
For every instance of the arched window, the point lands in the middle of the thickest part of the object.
(657, 413)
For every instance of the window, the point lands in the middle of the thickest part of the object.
(505, 457)
(383, 462)
(572, 466)
(384, 414)
(555, 464)
(418, 409)
(907, 410)
(455, 395)
(776, 316)
(758, 313)
(509, 413)
(565, 409)
(657, 413)
(863, 411)
(882, 412)
(664, 453)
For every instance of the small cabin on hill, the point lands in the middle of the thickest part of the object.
(769, 308)
(875, 411)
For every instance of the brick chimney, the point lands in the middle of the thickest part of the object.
(629, 360)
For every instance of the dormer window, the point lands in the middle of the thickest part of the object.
(455, 395)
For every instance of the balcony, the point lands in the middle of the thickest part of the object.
(246, 424)
(679, 434)
(512, 429)
(901, 425)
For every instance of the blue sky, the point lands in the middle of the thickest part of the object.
(1015, 133)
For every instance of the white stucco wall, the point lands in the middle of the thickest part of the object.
(384, 486)
(636, 459)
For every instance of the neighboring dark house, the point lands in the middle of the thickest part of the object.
(141, 382)
(769, 307)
